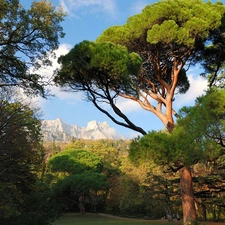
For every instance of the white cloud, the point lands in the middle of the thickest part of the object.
(128, 106)
(76, 7)
(198, 85)
(47, 73)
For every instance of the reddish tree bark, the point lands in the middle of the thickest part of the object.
(187, 195)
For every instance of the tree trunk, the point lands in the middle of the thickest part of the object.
(204, 212)
(169, 214)
(81, 203)
(187, 195)
(168, 210)
(214, 212)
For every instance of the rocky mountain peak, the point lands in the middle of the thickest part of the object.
(92, 125)
(59, 131)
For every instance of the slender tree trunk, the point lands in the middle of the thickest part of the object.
(43, 170)
(204, 212)
(168, 210)
(81, 203)
(187, 195)
(214, 212)
(219, 213)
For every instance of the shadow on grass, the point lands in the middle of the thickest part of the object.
(102, 219)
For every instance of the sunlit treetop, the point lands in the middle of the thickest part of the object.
(181, 22)
(99, 64)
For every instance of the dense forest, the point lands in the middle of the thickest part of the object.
(161, 174)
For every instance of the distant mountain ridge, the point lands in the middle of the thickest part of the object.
(59, 131)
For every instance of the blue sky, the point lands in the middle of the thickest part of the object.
(86, 20)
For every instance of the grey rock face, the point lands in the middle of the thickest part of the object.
(59, 131)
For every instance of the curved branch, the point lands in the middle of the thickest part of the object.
(128, 123)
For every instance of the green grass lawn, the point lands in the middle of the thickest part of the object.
(95, 219)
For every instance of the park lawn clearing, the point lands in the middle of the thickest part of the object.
(96, 219)
(104, 219)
